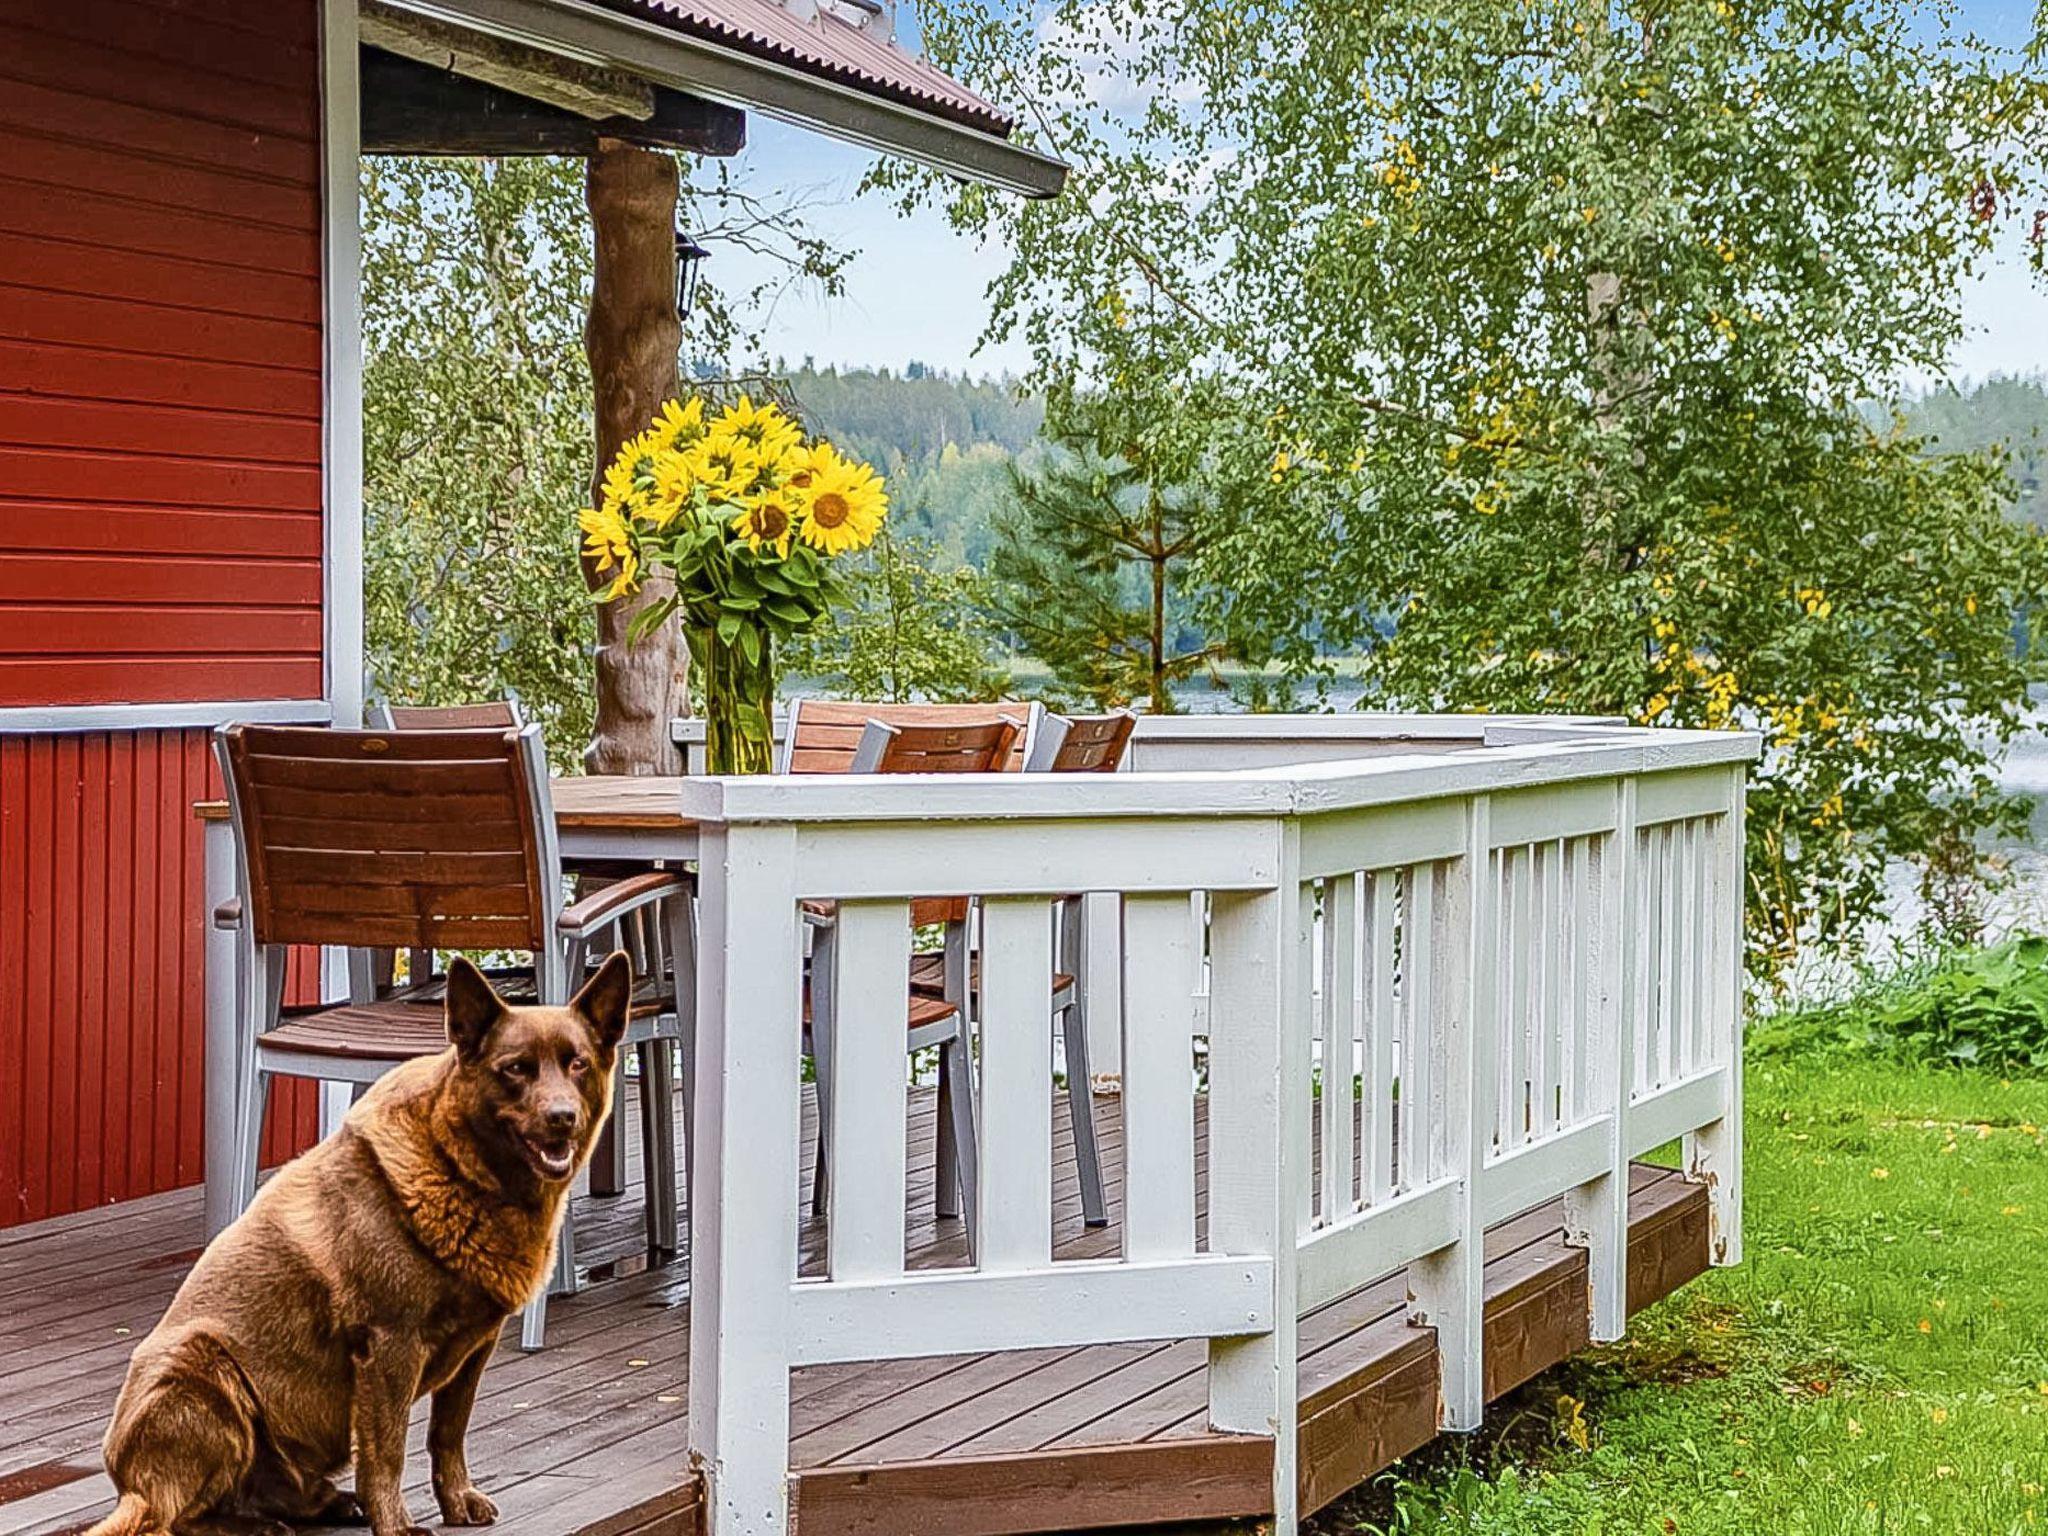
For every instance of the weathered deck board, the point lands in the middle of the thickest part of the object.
(587, 1436)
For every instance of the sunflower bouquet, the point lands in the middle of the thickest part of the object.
(747, 514)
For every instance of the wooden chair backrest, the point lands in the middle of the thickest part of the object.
(824, 734)
(1082, 743)
(491, 714)
(983, 746)
(393, 839)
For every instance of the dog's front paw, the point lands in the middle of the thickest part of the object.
(467, 1507)
(340, 1507)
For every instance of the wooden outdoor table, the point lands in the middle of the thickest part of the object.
(610, 817)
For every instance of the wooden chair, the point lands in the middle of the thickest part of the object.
(948, 978)
(823, 735)
(492, 714)
(377, 841)
(955, 745)
(1087, 744)
(1081, 743)
(643, 938)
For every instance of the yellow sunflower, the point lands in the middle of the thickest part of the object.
(608, 542)
(768, 519)
(676, 478)
(627, 491)
(678, 426)
(763, 427)
(804, 462)
(726, 465)
(842, 508)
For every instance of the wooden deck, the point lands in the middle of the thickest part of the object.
(587, 1436)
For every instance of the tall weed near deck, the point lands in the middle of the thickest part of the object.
(1878, 1366)
(1982, 1008)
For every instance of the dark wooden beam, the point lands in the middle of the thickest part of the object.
(411, 108)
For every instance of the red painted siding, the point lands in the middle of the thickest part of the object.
(160, 351)
(160, 540)
(102, 980)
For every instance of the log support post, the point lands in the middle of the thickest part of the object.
(631, 339)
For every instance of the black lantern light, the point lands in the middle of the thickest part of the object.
(688, 254)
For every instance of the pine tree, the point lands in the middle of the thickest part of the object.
(1090, 559)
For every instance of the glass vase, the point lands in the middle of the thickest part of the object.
(738, 675)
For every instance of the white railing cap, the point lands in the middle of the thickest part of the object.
(1354, 725)
(1564, 754)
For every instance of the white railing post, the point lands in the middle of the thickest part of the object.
(1715, 1151)
(1596, 1213)
(1158, 1077)
(743, 1214)
(1258, 1109)
(1447, 1290)
(1016, 1084)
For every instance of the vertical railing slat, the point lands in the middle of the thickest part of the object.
(1016, 1083)
(1340, 1034)
(1160, 965)
(1426, 1106)
(869, 1079)
(1556, 957)
(1518, 1005)
(1382, 1032)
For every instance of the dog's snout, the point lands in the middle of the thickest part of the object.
(559, 1117)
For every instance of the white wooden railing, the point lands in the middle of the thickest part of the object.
(1482, 978)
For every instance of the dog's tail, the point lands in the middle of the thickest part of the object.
(131, 1517)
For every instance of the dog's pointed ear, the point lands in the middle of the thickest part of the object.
(607, 999)
(473, 1008)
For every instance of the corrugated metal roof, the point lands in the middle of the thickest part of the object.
(826, 46)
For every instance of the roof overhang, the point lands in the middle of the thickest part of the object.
(591, 34)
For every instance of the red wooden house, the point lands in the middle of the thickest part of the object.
(180, 511)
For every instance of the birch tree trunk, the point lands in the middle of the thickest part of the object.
(631, 339)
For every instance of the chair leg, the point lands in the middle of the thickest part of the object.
(1081, 1112)
(956, 1062)
(249, 1155)
(682, 947)
(533, 1323)
(658, 1145)
(821, 1069)
(946, 1196)
(824, 953)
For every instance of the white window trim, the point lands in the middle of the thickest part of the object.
(36, 720)
(342, 413)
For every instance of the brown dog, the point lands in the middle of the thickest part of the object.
(375, 1269)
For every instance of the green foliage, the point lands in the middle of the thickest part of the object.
(910, 627)
(1557, 321)
(1978, 1008)
(1092, 558)
(477, 435)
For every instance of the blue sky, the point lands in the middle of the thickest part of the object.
(918, 290)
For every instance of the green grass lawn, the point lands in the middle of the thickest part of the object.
(1879, 1364)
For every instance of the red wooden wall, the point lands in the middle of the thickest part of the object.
(160, 538)
(160, 351)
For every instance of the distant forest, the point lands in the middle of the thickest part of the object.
(946, 442)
